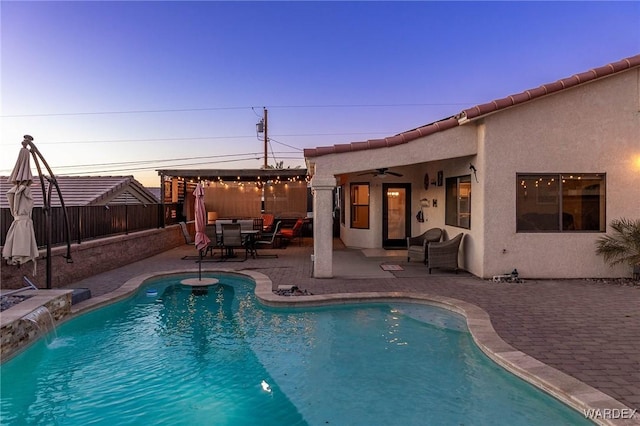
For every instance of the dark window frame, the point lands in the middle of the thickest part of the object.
(356, 209)
(341, 202)
(453, 214)
(565, 205)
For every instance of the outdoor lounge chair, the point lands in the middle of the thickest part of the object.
(267, 222)
(417, 246)
(267, 240)
(291, 233)
(444, 254)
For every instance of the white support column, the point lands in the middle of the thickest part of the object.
(322, 187)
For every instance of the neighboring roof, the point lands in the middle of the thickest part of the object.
(235, 174)
(156, 191)
(87, 191)
(479, 110)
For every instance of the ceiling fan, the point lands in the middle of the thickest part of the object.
(381, 172)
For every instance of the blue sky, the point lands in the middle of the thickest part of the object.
(124, 88)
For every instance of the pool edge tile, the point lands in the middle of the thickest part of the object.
(571, 391)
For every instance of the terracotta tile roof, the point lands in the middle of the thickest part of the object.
(87, 191)
(479, 110)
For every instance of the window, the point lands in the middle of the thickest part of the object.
(560, 202)
(458, 202)
(341, 203)
(360, 205)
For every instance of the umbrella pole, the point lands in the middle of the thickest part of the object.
(49, 285)
(35, 153)
(200, 266)
(47, 210)
(46, 206)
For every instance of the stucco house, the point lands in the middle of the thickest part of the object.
(532, 179)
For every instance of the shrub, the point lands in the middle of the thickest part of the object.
(623, 245)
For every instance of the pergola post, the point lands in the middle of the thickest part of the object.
(323, 187)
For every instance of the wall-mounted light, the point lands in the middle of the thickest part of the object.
(473, 169)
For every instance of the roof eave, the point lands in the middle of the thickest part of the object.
(482, 110)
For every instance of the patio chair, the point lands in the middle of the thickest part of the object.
(444, 254)
(267, 222)
(212, 232)
(417, 246)
(267, 240)
(232, 239)
(289, 234)
(245, 224)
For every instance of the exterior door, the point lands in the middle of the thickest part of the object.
(396, 214)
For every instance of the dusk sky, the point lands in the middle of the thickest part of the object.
(124, 88)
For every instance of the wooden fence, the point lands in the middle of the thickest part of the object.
(90, 222)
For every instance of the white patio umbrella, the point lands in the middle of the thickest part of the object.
(21, 246)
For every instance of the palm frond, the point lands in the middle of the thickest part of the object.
(623, 246)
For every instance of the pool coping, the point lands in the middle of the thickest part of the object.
(571, 391)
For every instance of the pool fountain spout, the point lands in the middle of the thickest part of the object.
(43, 320)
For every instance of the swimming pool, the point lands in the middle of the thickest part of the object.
(199, 356)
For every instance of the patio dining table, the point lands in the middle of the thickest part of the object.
(249, 237)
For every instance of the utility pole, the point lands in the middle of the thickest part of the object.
(261, 127)
(266, 139)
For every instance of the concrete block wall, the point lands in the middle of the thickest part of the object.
(94, 257)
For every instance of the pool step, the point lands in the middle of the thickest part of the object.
(80, 295)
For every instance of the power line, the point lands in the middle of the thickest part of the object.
(140, 140)
(132, 169)
(203, 138)
(124, 163)
(281, 143)
(246, 156)
(375, 105)
(156, 111)
(273, 154)
(148, 111)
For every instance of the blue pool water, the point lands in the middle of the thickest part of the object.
(198, 357)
